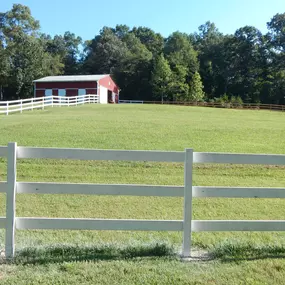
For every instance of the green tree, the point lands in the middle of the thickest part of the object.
(209, 44)
(4, 70)
(104, 53)
(247, 44)
(154, 42)
(135, 70)
(277, 32)
(196, 92)
(179, 51)
(28, 61)
(161, 77)
(16, 22)
(178, 86)
(22, 53)
(183, 62)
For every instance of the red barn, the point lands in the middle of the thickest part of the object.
(76, 85)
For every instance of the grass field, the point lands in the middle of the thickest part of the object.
(64, 257)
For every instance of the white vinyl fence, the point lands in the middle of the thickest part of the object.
(188, 191)
(7, 107)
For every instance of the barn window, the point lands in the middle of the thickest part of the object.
(48, 92)
(62, 92)
(81, 92)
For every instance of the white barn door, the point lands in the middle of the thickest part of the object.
(103, 95)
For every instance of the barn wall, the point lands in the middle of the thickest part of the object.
(65, 85)
(70, 87)
(91, 91)
(109, 84)
(71, 92)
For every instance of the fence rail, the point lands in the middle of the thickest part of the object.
(12, 187)
(131, 102)
(7, 107)
(251, 106)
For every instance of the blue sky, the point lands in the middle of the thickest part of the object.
(86, 17)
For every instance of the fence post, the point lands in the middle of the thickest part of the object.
(7, 108)
(32, 104)
(187, 221)
(11, 199)
(21, 106)
(43, 103)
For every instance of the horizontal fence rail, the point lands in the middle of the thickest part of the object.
(3, 187)
(3, 151)
(130, 102)
(91, 154)
(249, 106)
(235, 226)
(99, 189)
(12, 187)
(98, 224)
(265, 159)
(2, 223)
(238, 192)
(8, 107)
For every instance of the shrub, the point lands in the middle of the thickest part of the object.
(236, 102)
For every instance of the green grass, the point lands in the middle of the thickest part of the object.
(156, 128)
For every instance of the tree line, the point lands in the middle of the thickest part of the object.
(206, 65)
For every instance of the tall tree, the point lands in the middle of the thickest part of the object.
(247, 45)
(161, 78)
(23, 55)
(196, 92)
(183, 61)
(179, 51)
(209, 44)
(154, 42)
(4, 70)
(179, 87)
(277, 32)
(135, 69)
(104, 52)
(16, 23)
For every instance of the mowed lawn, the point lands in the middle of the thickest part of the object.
(117, 255)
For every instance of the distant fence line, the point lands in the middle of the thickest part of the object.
(187, 225)
(7, 107)
(131, 102)
(251, 106)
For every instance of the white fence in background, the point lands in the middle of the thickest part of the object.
(12, 187)
(7, 107)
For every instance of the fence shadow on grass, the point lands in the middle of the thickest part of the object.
(58, 254)
(242, 252)
(65, 253)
